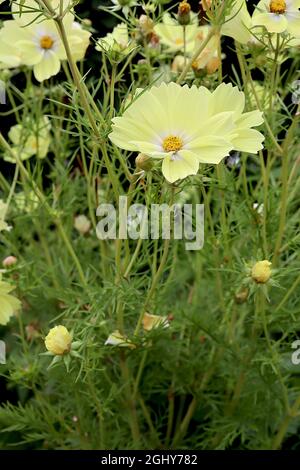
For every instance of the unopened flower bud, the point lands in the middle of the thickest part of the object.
(146, 25)
(58, 341)
(32, 331)
(241, 296)
(87, 22)
(261, 271)
(117, 339)
(153, 321)
(260, 60)
(154, 40)
(82, 224)
(213, 65)
(143, 162)
(184, 13)
(9, 261)
(199, 72)
(178, 64)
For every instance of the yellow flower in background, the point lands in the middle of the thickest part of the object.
(261, 271)
(117, 43)
(154, 321)
(82, 224)
(8, 303)
(3, 211)
(185, 126)
(123, 5)
(209, 53)
(238, 23)
(278, 16)
(117, 339)
(171, 33)
(32, 138)
(36, 41)
(58, 341)
(10, 56)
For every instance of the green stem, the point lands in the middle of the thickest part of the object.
(201, 48)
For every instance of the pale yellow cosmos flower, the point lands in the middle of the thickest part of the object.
(32, 138)
(8, 303)
(185, 126)
(278, 16)
(171, 33)
(3, 210)
(37, 43)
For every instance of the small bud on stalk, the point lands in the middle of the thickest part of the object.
(241, 296)
(143, 162)
(184, 13)
(9, 261)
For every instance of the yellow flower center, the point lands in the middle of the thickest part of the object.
(278, 6)
(178, 41)
(46, 42)
(172, 143)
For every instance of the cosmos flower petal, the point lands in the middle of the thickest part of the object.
(150, 109)
(227, 98)
(220, 124)
(47, 67)
(293, 5)
(211, 149)
(31, 53)
(248, 140)
(250, 119)
(181, 165)
(190, 109)
(9, 304)
(126, 131)
(293, 23)
(11, 32)
(273, 22)
(238, 23)
(6, 310)
(147, 147)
